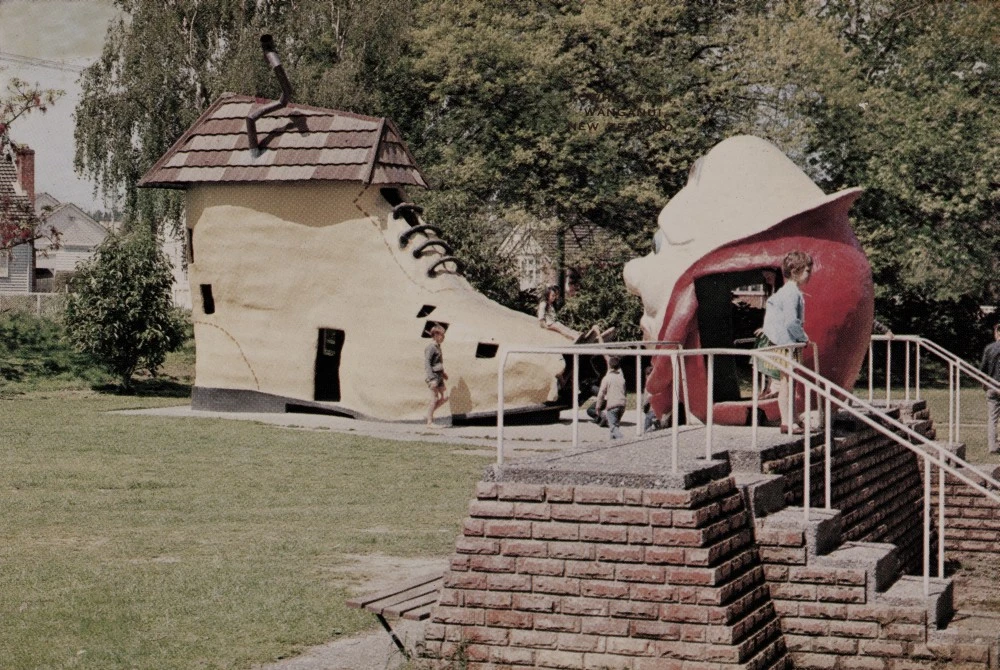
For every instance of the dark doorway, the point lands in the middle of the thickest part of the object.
(331, 344)
(727, 321)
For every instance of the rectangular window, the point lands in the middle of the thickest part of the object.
(190, 244)
(5, 263)
(486, 350)
(207, 301)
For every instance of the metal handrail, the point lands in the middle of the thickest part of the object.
(956, 366)
(932, 453)
(638, 350)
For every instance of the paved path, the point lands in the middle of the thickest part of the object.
(546, 437)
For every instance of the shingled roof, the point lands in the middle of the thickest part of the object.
(15, 204)
(300, 142)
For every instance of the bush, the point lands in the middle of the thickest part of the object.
(121, 311)
(34, 348)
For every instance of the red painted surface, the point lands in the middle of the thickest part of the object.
(839, 301)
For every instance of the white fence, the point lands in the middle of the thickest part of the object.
(39, 304)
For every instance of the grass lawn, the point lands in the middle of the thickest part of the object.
(972, 431)
(146, 542)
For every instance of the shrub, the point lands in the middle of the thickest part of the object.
(121, 311)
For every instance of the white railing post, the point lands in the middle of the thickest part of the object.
(871, 372)
(941, 479)
(790, 403)
(673, 412)
(500, 394)
(807, 445)
(906, 371)
(754, 405)
(828, 472)
(958, 404)
(576, 401)
(709, 406)
(640, 423)
(888, 372)
(917, 370)
(951, 402)
(927, 526)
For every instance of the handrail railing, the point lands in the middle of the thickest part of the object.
(956, 367)
(832, 395)
(932, 453)
(636, 349)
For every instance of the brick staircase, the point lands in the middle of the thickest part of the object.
(605, 558)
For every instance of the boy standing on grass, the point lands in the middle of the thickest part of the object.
(991, 366)
(611, 396)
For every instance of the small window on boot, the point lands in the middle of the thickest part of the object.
(207, 301)
(486, 350)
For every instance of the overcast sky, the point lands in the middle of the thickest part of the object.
(69, 31)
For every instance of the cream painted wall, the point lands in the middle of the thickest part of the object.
(285, 260)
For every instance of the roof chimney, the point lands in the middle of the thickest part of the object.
(267, 44)
(25, 162)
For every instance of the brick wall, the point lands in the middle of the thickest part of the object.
(557, 576)
(832, 618)
(876, 484)
(972, 521)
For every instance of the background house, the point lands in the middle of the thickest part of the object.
(534, 248)
(78, 237)
(17, 193)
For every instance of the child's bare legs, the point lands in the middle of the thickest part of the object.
(783, 399)
(438, 398)
(783, 392)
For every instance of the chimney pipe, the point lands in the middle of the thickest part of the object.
(267, 44)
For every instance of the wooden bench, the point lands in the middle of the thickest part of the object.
(412, 601)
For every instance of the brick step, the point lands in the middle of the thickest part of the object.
(774, 656)
(879, 561)
(902, 407)
(788, 534)
(908, 591)
(969, 638)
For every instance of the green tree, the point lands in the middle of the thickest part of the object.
(899, 97)
(165, 62)
(577, 113)
(120, 309)
(926, 146)
(594, 111)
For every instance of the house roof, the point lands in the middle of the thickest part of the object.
(14, 202)
(43, 200)
(300, 142)
(75, 227)
(577, 239)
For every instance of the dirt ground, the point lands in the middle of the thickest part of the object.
(373, 650)
(977, 594)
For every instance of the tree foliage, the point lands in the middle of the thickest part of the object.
(18, 222)
(924, 142)
(120, 310)
(594, 111)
